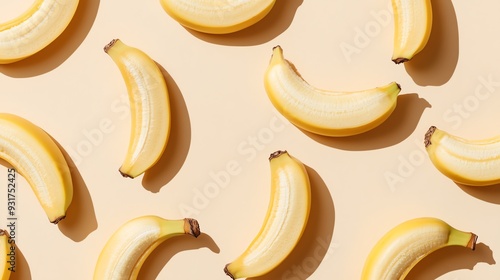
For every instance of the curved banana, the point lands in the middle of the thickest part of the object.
(36, 156)
(324, 112)
(34, 29)
(284, 223)
(465, 161)
(125, 252)
(217, 16)
(412, 28)
(4, 258)
(400, 249)
(149, 105)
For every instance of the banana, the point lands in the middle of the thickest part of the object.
(130, 245)
(4, 258)
(412, 28)
(284, 223)
(217, 16)
(37, 157)
(465, 161)
(328, 113)
(34, 29)
(400, 249)
(149, 105)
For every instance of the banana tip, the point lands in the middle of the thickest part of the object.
(125, 175)
(58, 219)
(428, 135)
(109, 45)
(400, 60)
(277, 154)
(226, 270)
(398, 85)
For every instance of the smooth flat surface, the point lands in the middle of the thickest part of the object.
(215, 168)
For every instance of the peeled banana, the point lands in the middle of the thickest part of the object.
(216, 16)
(35, 155)
(130, 245)
(149, 105)
(401, 248)
(465, 161)
(412, 28)
(4, 251)
(34, 29)
(328, 113)
(284, 223)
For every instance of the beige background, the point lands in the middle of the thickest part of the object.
(362, 186)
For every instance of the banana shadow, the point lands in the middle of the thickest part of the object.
(399, 126)
(315, 243)
(165, 251)
(436, 63)
(61, 48)
(273, 24)
(448, 259)
(22, 269)
(489, 194)
(175, 154)
(80, 218)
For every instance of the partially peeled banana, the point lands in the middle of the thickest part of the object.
(285, 221)
(216, 16)
(35, 29)
(412, 28)
(465, 161)
(149, 107)
(324, 112)
(37, 157)
(403, 246)
(131, 244)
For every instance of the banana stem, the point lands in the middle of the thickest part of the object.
(461, 238)
(192, 227)
(472, 242)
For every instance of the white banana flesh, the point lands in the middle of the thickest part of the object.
(35, 29)
(465, 161)
(402, 247)
(329, 113)
(217, 16)
(37, 157)
(412, 28)
(4, 258)
(284, 223)
(130, 245)
(149, 106)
